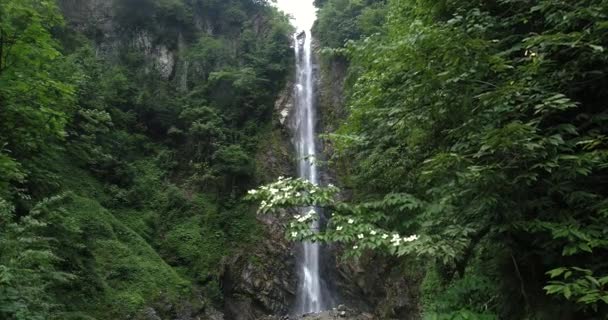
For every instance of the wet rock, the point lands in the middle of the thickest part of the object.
(149, 314)
(284, 104)
(342, 312)
(213, 314)
(261, 280)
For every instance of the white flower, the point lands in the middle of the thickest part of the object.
(351, 221)
(313, 191)
(360, 236)
(355, 247)
(252, 191)
(294, 234)
(311, 212)
(263, 203)
(384, 236)
(298, 194)
(339, 228)
(281, 177)
(396, 238)
(297, 216)
(273, 190)
(330, 185)
(396, 243)
(373, 232)
(410, 238)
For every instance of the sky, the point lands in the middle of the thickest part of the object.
(303, 11)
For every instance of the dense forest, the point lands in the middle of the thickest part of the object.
(466, 142)
(121, 175)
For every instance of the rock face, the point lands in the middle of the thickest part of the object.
(97, 19)
(284, 104)
(340, 313)
(261, 281)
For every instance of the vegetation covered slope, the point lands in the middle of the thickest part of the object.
(120, 172)
(475, 145)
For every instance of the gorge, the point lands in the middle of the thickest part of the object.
(303, 160)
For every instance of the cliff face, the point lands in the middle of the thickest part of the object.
(102, 23)
(261, 280)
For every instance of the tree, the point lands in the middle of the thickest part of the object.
(35, 98)
(28, 263)
(476, 126)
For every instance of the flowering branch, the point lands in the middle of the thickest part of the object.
(344, 225)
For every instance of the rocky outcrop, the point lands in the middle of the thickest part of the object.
(342, 312)
(262, 280)
(97, 20)
(383, 283)
(285, 104)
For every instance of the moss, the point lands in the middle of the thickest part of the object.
(274, 157)
(140, 221)
(77, 180)
(132, 273)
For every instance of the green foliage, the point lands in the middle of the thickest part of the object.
(580, 285)
(470, 297)
(29, 260)
(127, 270)
(477, 126)
(342, 20)
(34, 98)
(151, 163)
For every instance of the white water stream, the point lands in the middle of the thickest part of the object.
(311, 296)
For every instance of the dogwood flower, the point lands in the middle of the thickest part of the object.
(294, 234)
(360, 236)
(355, 247)
(351, 221)
(252, 192)
(339, 228)
(373, 232)
(384, 236)
(410, 238)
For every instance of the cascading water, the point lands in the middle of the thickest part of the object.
(312, 295)
(310, 292)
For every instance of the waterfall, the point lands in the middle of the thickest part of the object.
(311, 296)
